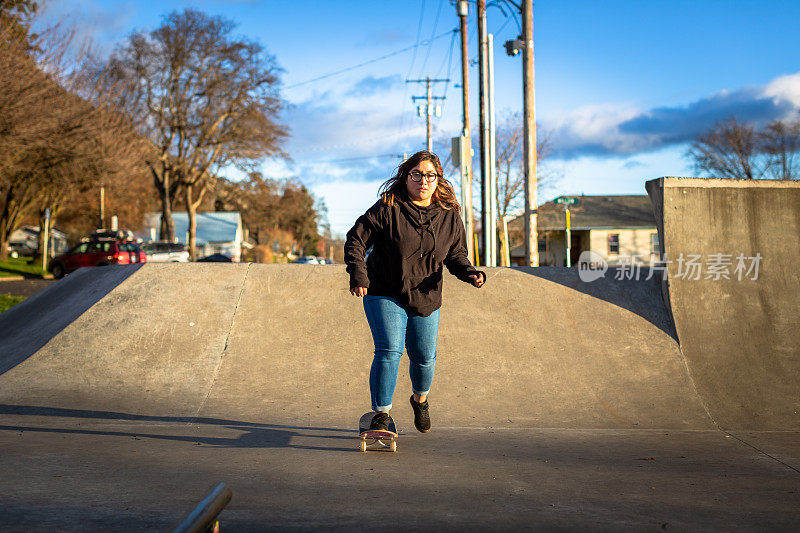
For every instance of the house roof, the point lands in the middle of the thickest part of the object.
(216, 226)
(32, 233)
(595, 212)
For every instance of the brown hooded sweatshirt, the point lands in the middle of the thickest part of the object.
(409, 246)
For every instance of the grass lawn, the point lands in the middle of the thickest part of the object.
(7, 301)
(20, 266)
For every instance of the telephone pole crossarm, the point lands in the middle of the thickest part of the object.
(428, 109)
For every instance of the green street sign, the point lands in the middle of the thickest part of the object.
(566, 200)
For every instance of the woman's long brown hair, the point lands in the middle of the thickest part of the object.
(394, 189)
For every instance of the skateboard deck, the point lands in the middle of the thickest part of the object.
(375, 439)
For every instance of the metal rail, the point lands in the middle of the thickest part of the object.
(203, 518)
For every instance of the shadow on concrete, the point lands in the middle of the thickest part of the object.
(29, 325)
(555, 480)
(254, 435)
(628, 288)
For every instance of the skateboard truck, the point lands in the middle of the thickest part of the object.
(375, 438)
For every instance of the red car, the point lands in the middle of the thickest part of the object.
(99, 252)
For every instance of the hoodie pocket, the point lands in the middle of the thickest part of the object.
(426, 284)
(424, 291)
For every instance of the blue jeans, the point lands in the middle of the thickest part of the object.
(393, 327)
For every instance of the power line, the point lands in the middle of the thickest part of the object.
(360, 142)
(411, 67)
(347, 69)
(348, 159)
(509, 13)
(449, 65)
(502, 26)
(419, 32)
(447, 59)
(430, 45)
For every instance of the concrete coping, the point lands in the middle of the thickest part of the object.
(707, 183)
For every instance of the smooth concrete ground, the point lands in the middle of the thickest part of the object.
(64, 471)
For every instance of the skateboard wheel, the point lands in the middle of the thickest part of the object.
(394, 445)
(363, 445)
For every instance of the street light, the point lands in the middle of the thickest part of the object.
(514, 47)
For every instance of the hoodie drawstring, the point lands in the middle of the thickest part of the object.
(423, 225)
(426, 226)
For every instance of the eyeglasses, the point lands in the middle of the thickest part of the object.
(417, 176)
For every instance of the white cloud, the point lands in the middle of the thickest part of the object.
(622, 130)
(785, 88)
(343, 139)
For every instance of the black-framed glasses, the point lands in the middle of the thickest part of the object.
(417, 176)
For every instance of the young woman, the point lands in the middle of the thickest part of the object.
(413, 230)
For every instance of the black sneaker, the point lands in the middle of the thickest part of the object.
(380, 422)
(422, 420)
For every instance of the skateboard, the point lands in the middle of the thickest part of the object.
(371, 439)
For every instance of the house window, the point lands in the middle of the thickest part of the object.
(543, 244)
(655, 249)
(613, 243)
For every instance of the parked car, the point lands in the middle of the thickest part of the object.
(17, 249)
(307, 260)
(97, 252)
(22, 248)
(165, 252)
(216, 258)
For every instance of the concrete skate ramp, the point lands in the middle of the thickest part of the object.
(739, 329)
(288, 344)
(151, 344)
(39, 318)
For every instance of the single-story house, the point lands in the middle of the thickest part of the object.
(218, 232)
(619, 228)
(25, 241)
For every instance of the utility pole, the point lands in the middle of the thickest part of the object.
(525, 44)
(491, 200)
(428, 109)
(102, 220)
(484, 138)
(529, 106)
(46, 241)
(466, 165)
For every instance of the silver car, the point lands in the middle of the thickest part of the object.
(165, 252)
(307, 260)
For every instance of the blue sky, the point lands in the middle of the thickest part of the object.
(621, 87)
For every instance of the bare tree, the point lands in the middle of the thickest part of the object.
(15, 21)
(256, 198)
(205, 99)
(29, 120)
(270, 207)
(510, 169)
(731, 149)
(780, 141)
(53, 142)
